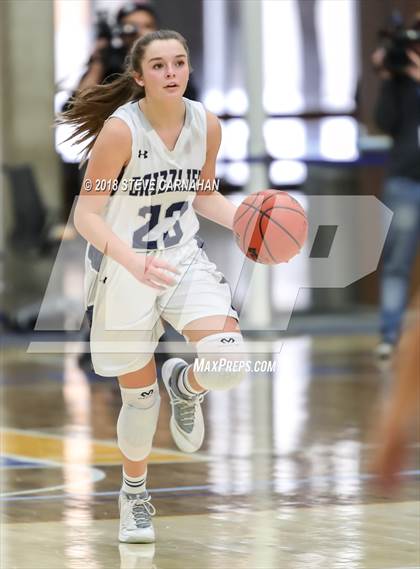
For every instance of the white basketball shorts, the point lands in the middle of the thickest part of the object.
(127, 314)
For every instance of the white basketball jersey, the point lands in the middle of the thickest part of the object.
(152, 206)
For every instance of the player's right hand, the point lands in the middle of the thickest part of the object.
(152, 271)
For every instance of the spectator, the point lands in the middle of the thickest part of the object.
(134, 20)
(398, 114)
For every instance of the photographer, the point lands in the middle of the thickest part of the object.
(133, 20)
(397, 113)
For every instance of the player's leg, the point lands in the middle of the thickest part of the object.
(200, 307)
(136, 427)
(215, 337)
(220, 365)
(125, 332)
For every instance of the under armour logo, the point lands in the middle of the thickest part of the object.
(146, 394)
(143, 153)
(227, 340)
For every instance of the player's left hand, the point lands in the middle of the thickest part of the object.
(159, 274)
(153, 272)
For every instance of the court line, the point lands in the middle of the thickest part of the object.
(96, 475)
(207, 488)
(29, 466)
(40, 462)
(19, 443)
(199, 457)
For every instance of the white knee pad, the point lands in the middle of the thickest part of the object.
(137, 420)
(221, 361)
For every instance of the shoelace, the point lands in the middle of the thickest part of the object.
(187, 408)
(143, 509)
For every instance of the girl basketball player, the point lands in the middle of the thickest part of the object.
(143, 263)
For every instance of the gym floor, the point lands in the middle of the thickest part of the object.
(282, 480)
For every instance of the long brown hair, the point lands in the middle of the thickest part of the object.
(90, 108)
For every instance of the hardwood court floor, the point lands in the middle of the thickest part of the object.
(281, 482)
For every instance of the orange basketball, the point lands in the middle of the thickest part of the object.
(270, 227)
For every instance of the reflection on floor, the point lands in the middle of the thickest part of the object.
(282, 480)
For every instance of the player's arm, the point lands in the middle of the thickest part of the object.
(211, 204)
(110, 153)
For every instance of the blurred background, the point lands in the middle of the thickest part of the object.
(301, 89)
(295, 90)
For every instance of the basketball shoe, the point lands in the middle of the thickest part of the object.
(384, 351)
(136, 512)
(187, 423)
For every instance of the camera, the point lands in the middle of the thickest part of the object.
(397, 39)
(102, 28)
(113, 34)
(118, 39)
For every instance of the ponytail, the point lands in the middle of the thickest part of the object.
(89, 109)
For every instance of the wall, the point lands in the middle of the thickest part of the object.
(27, 92)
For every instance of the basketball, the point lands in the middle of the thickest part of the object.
(270, 227)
